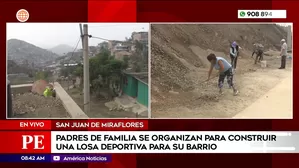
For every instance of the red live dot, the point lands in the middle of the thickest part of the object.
(37, 140)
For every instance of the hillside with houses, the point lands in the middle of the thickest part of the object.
(137, 43)
(118, 74)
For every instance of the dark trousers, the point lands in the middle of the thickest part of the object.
(229, 77)
(234, 61)
(259, 57)
(283, 61)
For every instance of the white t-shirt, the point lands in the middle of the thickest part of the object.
(284, 49)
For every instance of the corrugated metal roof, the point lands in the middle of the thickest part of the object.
(141, 76)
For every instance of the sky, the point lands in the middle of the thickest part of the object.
(48, 35)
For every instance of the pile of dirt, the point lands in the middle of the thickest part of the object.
(179, 67)
(178, 49)
(39, 87)
(29, 105)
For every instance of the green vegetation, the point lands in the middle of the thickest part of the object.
(104, 71)
(42, 75)
(139, 58)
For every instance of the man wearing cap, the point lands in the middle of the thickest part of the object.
(283, 53)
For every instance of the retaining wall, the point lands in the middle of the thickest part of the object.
(25, 88)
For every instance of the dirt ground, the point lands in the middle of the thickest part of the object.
(275, 104)
(179, 68)
(204, 101)
(97, 106)
(30, 105)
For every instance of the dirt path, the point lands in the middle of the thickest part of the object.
(203, 101)
(97, 107)
(277, 103)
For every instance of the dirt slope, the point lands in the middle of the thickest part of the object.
(179, 65)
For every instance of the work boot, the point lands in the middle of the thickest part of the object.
(236, 92)
(220, 91)
(281, 68)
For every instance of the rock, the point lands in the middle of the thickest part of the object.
(172, 92)
(22, 112)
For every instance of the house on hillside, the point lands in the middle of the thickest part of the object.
(93, 51)
(119, 55)
(119, 47)
(112, 44)
(103, 45)
(70, 64)
(136, 85)
(140, 36)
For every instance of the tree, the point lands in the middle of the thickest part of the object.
(42, 75)
(78, 71)
(106, 71)
(126, 60)
(139, 47)
(139, 59)
(136, 62)
(30, 75)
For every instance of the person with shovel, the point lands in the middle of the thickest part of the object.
(49, 91)
(225, 71)
(234, 51)
(259, 51)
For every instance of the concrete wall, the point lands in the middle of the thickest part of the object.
(69, 104)
(25, 88)
(142, 94)
(130, 88)
(119, 55)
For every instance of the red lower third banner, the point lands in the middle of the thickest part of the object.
(75, 125)
(25, 142)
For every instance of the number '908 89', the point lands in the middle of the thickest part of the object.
(252, 13)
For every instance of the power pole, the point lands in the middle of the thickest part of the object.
(86, 70)
(81, 32)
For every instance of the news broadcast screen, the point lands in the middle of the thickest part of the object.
(137, 84)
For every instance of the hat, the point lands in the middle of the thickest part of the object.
(50, 86)
(234, 44)
(283, 40)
